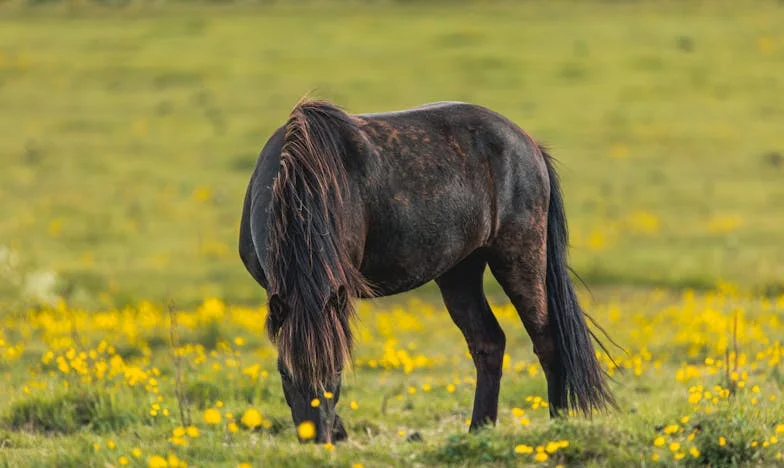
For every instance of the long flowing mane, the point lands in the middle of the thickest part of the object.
(308, 259)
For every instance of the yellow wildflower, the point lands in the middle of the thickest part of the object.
(523, 449)
(157, 461)
(306, 430)
(251, 418)
(671, 429)
(212, 416)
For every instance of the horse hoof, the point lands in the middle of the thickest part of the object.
(339, 433)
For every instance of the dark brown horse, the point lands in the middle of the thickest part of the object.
(345, 206)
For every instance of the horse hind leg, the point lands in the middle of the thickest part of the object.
(518, 260)
(463, 294)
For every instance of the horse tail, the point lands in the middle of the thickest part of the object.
(585, 385)
(310, 268)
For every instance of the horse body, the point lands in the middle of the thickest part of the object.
(394, 200)
(430, 176)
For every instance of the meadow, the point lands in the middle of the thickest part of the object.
(132, 335)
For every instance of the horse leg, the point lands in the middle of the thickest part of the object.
(463, 294)
(518, 260)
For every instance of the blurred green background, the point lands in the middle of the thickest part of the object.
(128, 131)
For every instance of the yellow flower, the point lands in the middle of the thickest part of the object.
(137, 452)
(674, 446)
(233, 427)
(552, 447)
(251, 418)
(180, 441)
(541, 456)
(123, 460)
(523, 449)
(174, 461)
(450, 388)
(329, 447)
(306, 430)
(157, 461)
(354, 405)
(780, 429)
(412, 390)
(315, 403)
(357, 465)
(659, 441)
(178, 431)
(212, 416)
(722, 441)
(671, 429)
(426, 387)
(518, 412)
(192, 431)
(328, 395)
(694, 451)
(244, 465)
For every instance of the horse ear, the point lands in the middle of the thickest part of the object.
(278, 311)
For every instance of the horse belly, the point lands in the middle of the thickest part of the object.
(407, 246)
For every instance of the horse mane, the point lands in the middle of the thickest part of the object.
(308, 259)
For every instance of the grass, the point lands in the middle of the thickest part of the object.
(408, 397)
(128, 135)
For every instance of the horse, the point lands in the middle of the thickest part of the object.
(342, 207)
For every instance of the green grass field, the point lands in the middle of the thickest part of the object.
(128, 135)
